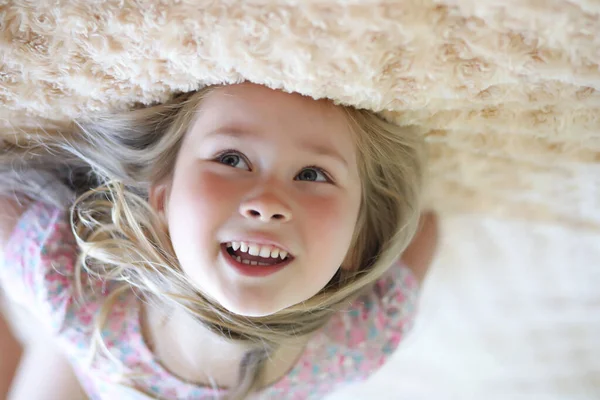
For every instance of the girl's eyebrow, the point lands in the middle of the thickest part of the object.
(238, 132)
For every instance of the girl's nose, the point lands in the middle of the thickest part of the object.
(266, 208)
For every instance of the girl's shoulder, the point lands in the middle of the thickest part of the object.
(386, 311)
(363, 336)
(11, 210)
(40, 257)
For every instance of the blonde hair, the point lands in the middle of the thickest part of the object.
(122, 237)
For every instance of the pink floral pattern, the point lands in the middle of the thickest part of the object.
(38, 272)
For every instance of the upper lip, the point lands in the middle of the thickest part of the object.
(261, 239)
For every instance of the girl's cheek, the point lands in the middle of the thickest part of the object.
(332, 224)
(329, 214)
(209, 188)
(194, 197)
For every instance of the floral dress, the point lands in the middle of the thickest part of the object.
(38, 273)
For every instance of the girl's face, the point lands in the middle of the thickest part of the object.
(266, 170)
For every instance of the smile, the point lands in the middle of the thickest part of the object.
(253, 266)
(255, 254)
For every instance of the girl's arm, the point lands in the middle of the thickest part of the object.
(44, 373)
(39, 369)
(420, 252)
(10, 348)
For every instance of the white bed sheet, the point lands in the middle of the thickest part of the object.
(511, 310)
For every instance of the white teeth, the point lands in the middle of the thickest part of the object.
(253, 263)
(246, 262)
(253, 249)
(265, 251)
(238, 258)
(263, 264)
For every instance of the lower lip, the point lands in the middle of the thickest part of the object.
(252, 270)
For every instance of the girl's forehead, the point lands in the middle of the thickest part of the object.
(254, 115)
(258, 96)
(254, 107)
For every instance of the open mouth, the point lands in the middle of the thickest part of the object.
(256, 255)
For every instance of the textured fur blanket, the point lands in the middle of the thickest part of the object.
(507, 93)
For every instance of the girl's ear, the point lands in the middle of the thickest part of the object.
(158, 198)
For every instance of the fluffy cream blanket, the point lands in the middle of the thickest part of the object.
(506, 93)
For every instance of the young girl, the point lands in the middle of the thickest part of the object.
(237, 242)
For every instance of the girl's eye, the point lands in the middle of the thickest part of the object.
(313, 174)
(233, 159)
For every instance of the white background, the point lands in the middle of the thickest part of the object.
(511, 310)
